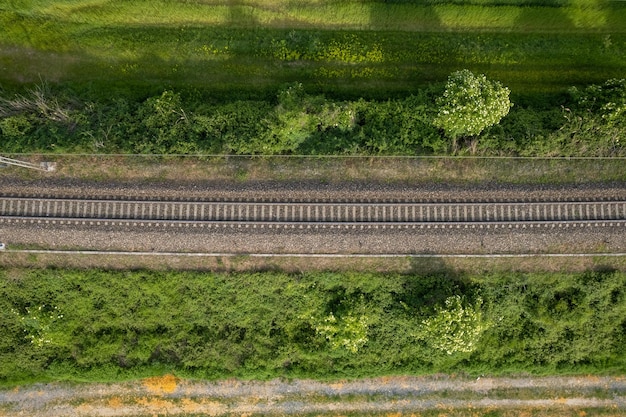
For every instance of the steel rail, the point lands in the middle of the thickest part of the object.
(319, 201)
(289, 214)
(295, 202)
(155, 224)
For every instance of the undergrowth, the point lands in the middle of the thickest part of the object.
(587, 121)
(98, 325)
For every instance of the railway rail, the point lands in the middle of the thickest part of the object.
(155, 213)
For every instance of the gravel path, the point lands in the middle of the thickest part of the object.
(168, 395)
(372, 241)
(312, 190)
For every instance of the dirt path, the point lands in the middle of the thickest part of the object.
(169, 395)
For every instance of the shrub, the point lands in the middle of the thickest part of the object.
(469, 104)
(455, 328)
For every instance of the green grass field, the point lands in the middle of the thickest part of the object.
(350, 47)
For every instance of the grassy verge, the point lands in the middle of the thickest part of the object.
(514, 15)
(337, 47)
(295, 264)
(223, 60)
(105, 325)
(118, 168)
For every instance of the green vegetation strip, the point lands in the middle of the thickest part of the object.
(247, 77)
(323, 170)
(377, 47)
(97, 325)
(511, 15)
(585, 122)
(221, 59)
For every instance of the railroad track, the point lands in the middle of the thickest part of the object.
(313, 214)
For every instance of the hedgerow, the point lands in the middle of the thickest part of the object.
(109, 325)
(585, 121)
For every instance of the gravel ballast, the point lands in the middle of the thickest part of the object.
(367, 241)
(243, 240)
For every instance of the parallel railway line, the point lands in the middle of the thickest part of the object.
(156, 213)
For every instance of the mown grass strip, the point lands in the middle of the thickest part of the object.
(518, 16)
(331, 61)
(191, 44)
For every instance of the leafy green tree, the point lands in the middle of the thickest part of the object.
(469, 104)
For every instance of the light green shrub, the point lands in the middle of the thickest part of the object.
(471, 103)
(455, 328)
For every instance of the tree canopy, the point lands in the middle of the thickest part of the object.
(471, 103)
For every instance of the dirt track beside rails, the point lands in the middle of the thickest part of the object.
(169, 395)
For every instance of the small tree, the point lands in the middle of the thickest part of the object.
(470, 104)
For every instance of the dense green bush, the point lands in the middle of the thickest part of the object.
(584, 122)
(557, 322)
(103, 325)
(469, 104)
